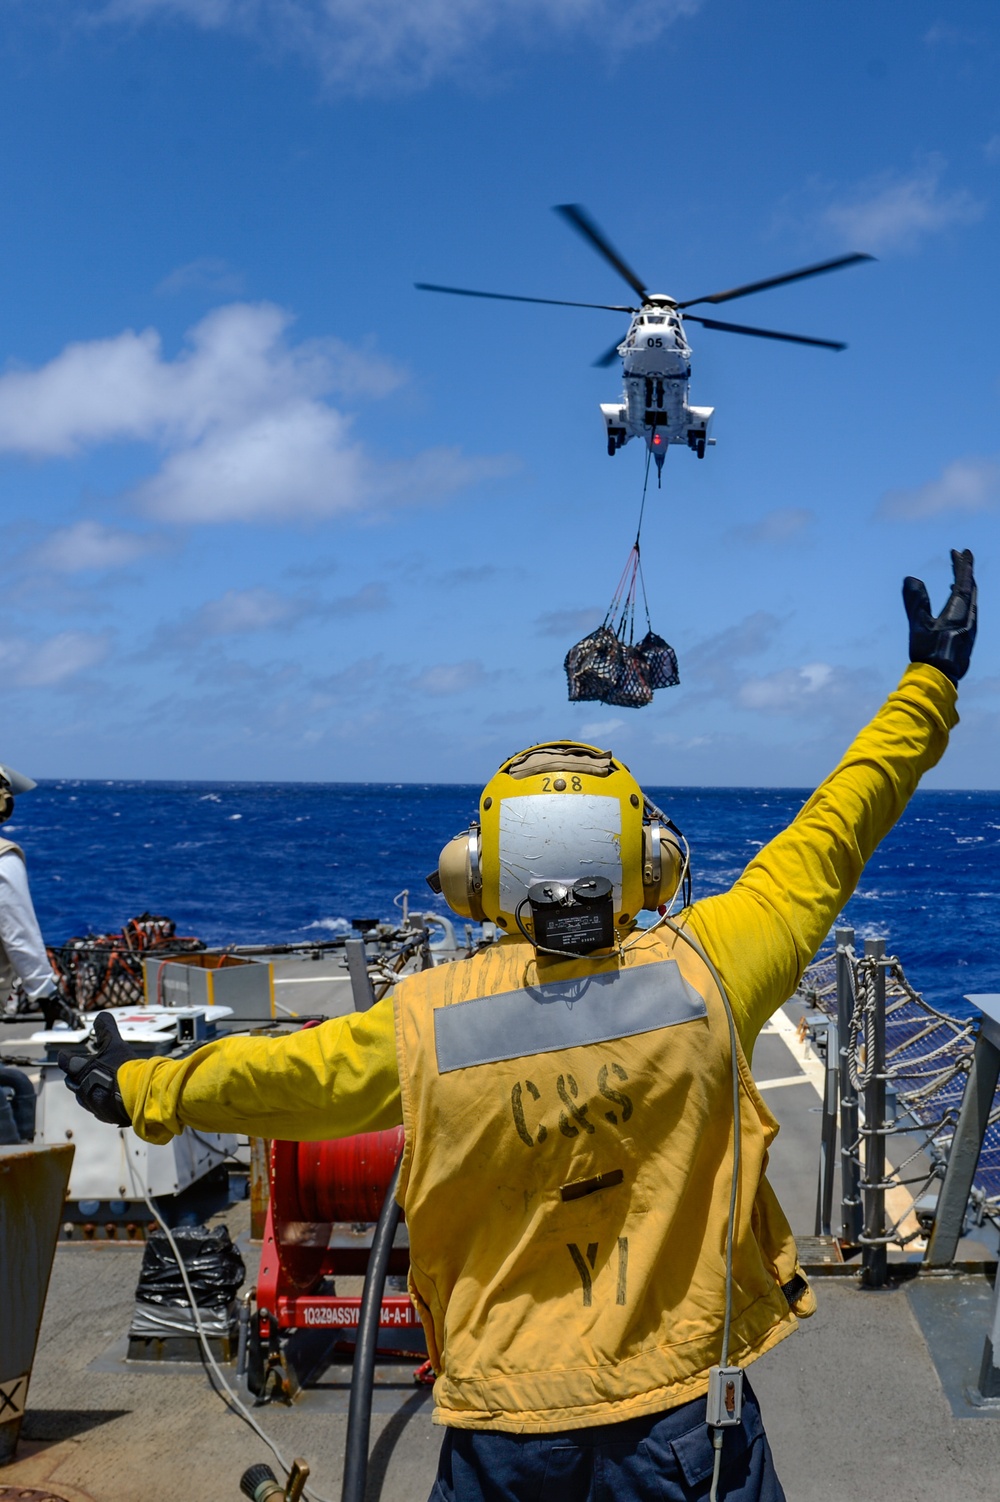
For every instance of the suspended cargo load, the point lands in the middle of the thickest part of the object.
(608, 666)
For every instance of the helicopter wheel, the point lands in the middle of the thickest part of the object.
(612, 448)
(701, 449)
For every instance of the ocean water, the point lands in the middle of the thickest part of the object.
(267, 862)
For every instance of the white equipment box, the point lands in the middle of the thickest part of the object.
(111, 1163)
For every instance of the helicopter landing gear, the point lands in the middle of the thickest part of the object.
(616, 438)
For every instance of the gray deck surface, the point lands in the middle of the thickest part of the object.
(854, 1404)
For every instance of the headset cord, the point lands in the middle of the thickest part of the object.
(717, 1434)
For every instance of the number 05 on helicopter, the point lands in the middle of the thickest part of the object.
(655, 354)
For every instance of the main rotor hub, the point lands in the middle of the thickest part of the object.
(660, 300)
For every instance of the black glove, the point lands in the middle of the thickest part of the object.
(55, 1007)
(944, 641)
(93, 1076)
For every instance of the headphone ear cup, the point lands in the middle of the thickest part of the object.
(459, 874)
(662, 864)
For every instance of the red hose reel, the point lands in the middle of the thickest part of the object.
(315, 1187)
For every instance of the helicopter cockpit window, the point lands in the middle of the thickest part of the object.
(656, 320)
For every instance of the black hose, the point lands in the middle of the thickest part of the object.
(359, 1412)
(17, 1115)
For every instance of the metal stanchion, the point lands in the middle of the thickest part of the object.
(828, 1134)
(850, 1165)
(967, 1143)
(874, 1256)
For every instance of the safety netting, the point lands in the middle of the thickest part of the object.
(609, 666)
(927, 1055)
(105, 970)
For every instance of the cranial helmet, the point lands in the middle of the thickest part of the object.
(11, 782)
(557, 812)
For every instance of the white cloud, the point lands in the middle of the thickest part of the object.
(601, 727)
(47, 663)
(240, 415)
(787, 688)
(815, 689)
(967, 485)
(296, 461)
(91, 546)
(242, 610)
(205, 274)
(889, 211)
(943, 33)
(371, 45)
(368, 598)
(446, 678)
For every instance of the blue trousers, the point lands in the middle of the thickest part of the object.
(667, 1457)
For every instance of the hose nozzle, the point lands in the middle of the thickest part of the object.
(260, 1484)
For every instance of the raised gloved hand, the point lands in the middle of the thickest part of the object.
(93, 1076)
(944, 641)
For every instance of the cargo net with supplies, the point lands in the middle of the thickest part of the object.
(609, 666)
(105, 970)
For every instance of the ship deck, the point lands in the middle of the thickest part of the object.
(866, 1400)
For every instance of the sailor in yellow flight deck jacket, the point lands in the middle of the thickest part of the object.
(568, 1168)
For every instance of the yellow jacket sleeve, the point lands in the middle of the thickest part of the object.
(763, 932)
(327, 1081)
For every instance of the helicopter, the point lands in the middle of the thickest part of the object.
(655, 353)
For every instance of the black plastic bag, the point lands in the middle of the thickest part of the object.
(660, 661)
(214, 1267)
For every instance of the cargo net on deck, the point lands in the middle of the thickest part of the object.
(928, 1055)
(609, 666)
(105, 970)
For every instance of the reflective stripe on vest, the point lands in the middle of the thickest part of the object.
(563, 1014)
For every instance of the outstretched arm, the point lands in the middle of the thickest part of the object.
(765, 930)
(327, 1081)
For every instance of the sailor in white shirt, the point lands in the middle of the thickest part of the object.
(22, 949)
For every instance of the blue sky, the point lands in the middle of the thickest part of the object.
(271, 513)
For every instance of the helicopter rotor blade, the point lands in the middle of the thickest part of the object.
(576, 215)
(742, 328)
(554, 302)
(779, 281)
(609, 356)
